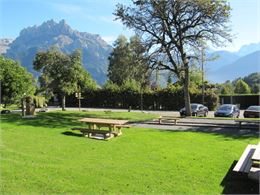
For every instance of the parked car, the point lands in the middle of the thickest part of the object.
(5, 111)
(197, 110)
(252, 112)
(227, 110)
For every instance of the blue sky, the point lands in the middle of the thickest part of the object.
(95, 16)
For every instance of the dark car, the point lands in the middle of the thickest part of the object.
(197, 110)
(252, 112)
(227, 110)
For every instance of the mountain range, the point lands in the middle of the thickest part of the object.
(232, 65)
(95, 51)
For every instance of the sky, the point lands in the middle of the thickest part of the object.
(96, 16)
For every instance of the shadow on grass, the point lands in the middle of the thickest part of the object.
(68, 133)
(61, 119)
(51, 120)
(54, 119)
(234, 133)
(238, 183)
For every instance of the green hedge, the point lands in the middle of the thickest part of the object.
(243, 101)
(164, 99)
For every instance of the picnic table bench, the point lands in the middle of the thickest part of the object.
(168, 118)
(95, 127)
(240, 121)
(249, 162)
(92, 132)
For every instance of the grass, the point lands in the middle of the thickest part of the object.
(9, 107)
(43, 155)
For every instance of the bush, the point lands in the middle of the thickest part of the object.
(164, 99)
(39, 101)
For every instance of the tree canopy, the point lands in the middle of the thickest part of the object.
(61, 73)
(15, 81)
(127, 62)
(172, 30)
(227, 88)
(253, 80)
(241, 87)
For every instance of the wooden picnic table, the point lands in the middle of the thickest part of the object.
(249, 162)
(96, 126)
(256, 155)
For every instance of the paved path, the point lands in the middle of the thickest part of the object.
(224, 127)
(166, 113)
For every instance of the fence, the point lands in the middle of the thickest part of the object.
(243, 101)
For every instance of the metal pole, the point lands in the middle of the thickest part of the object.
(141, 99)
(202, 68)
(22, 104)
(79, 103)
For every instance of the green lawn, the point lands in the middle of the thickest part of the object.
(43, 155)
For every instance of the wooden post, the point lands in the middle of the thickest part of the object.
(22, 104)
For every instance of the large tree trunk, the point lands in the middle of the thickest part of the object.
(186, 83)
(63, 102)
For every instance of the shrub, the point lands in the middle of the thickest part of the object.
(164, 99)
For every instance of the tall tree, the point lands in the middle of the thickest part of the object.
(84, 79)
(253, 80)
(60, 73)
(241, 87)
(173, 29)
(15, 82)
(118, 68)
(139, 62)
(128, 62)
(227, 88)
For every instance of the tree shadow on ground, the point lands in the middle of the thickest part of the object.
(51, 120)
(56, 119)
(68, 133)
(234, 133)
(238, 183)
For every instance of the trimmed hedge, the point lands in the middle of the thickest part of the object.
(165, 99)
(243, 101)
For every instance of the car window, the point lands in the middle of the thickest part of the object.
(225, 107)
(254, 108)
(194, 106)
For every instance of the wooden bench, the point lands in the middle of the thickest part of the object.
(168, 118)
(245, 162)
(248, 162)
(257, 122)
(256, 156)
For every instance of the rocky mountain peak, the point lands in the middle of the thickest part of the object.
(49, 27)
(32, 39)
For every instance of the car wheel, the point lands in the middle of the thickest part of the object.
(232, 115)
